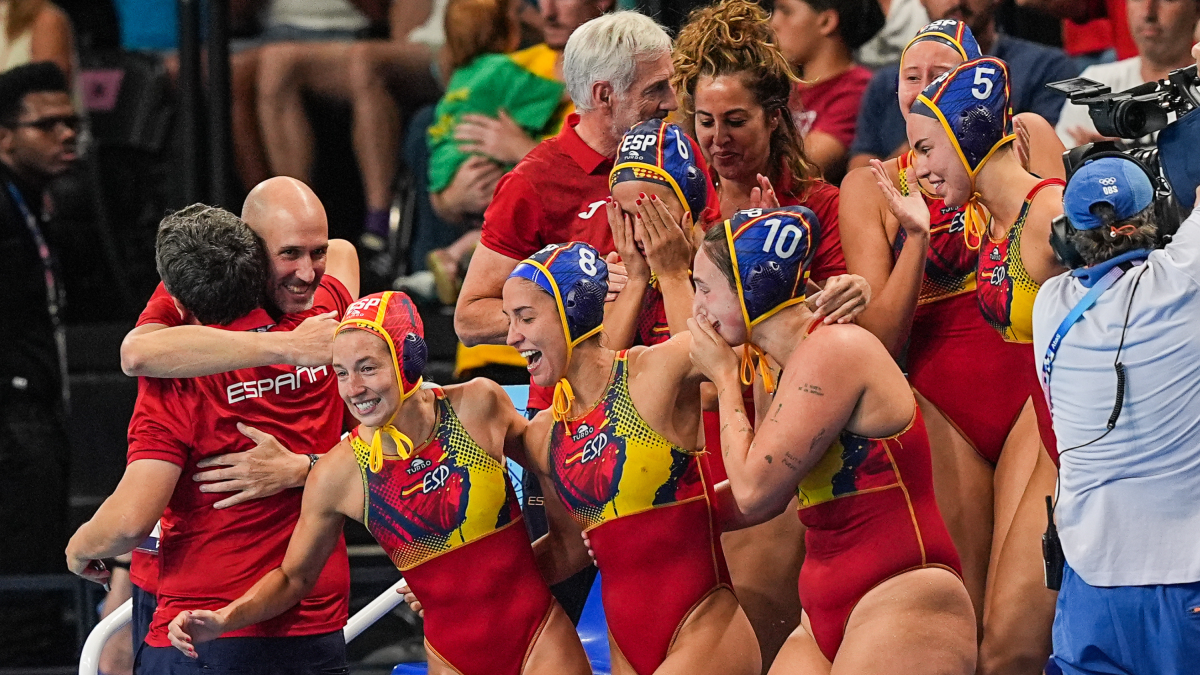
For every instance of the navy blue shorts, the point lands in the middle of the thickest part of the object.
(1126, 630)
(303, 655)
(144, 605)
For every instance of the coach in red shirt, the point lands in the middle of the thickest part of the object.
(297, 404)
(617, 70)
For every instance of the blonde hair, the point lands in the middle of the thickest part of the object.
(21, 15)
(608, 49)
(477, 27)
(734, 37)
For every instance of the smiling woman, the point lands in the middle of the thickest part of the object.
(441, 506)
(618, 446)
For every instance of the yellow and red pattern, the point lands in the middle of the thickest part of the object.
(851, 466)
(445, 494)
(1006, 290)
(609, 463)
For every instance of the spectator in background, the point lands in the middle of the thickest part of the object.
(35, 30)
(364, 73)
(1094, 31)
(469, 192)
(819, 37)
(38, 125)
(1031, 65)
(904, 19)
(1164, 33)
(487, 81)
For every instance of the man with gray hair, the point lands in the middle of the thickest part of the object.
(617, 70)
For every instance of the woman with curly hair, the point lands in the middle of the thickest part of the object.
(734, 85)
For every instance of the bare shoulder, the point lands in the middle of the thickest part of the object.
(847, 347)
(477, 397)
(335, 475)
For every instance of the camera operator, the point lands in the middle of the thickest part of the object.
(1163, 31)
(1122, 371)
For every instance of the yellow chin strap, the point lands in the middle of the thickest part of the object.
(975, 215)
(404, 444)
(564, 396)
(752, 355)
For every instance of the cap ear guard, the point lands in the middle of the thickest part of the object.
(415, 356)
(576, 276)
(771, 251)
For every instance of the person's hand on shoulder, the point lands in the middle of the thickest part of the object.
(844, 297)
(311, 343)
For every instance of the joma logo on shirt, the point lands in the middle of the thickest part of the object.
(240, 391)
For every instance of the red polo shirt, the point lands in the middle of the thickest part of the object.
(208, 557)
(554, 195)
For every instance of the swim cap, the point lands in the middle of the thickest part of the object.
(971, 102)
(576, 277)
(392, 316)
(771, 251)
(659, 152)
(950, 32)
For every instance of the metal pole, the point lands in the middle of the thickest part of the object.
(220, 156)
(191, 100)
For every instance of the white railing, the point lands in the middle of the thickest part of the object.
(89, 660)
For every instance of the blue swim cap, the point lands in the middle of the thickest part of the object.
(771, 251)
(576, 276)
(971, 103)
(659, 152)
(950, 32)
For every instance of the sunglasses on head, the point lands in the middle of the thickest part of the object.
(49, 124)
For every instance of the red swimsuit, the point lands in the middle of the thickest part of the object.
(649, 514)
(449, 519)
(871, 515)
(955, 359)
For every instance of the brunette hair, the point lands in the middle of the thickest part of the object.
(1105, 243)
(716, 245)
(734, 37)
(477, 27)
(211, 262)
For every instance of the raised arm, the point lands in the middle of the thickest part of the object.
(479, 316)
(814, 400)
(621, 315)
(126, 518)
(181, 351)
(895, 285)
(333, 492)
(157, 350)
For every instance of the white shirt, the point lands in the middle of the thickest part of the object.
(1129, 504)
(904, 19)
(1119, 76)
(432, 33)
(316, 15)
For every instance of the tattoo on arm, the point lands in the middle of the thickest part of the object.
(811, 389)
(769, 459)
(791, 461)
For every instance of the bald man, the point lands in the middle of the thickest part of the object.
(309, 281)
